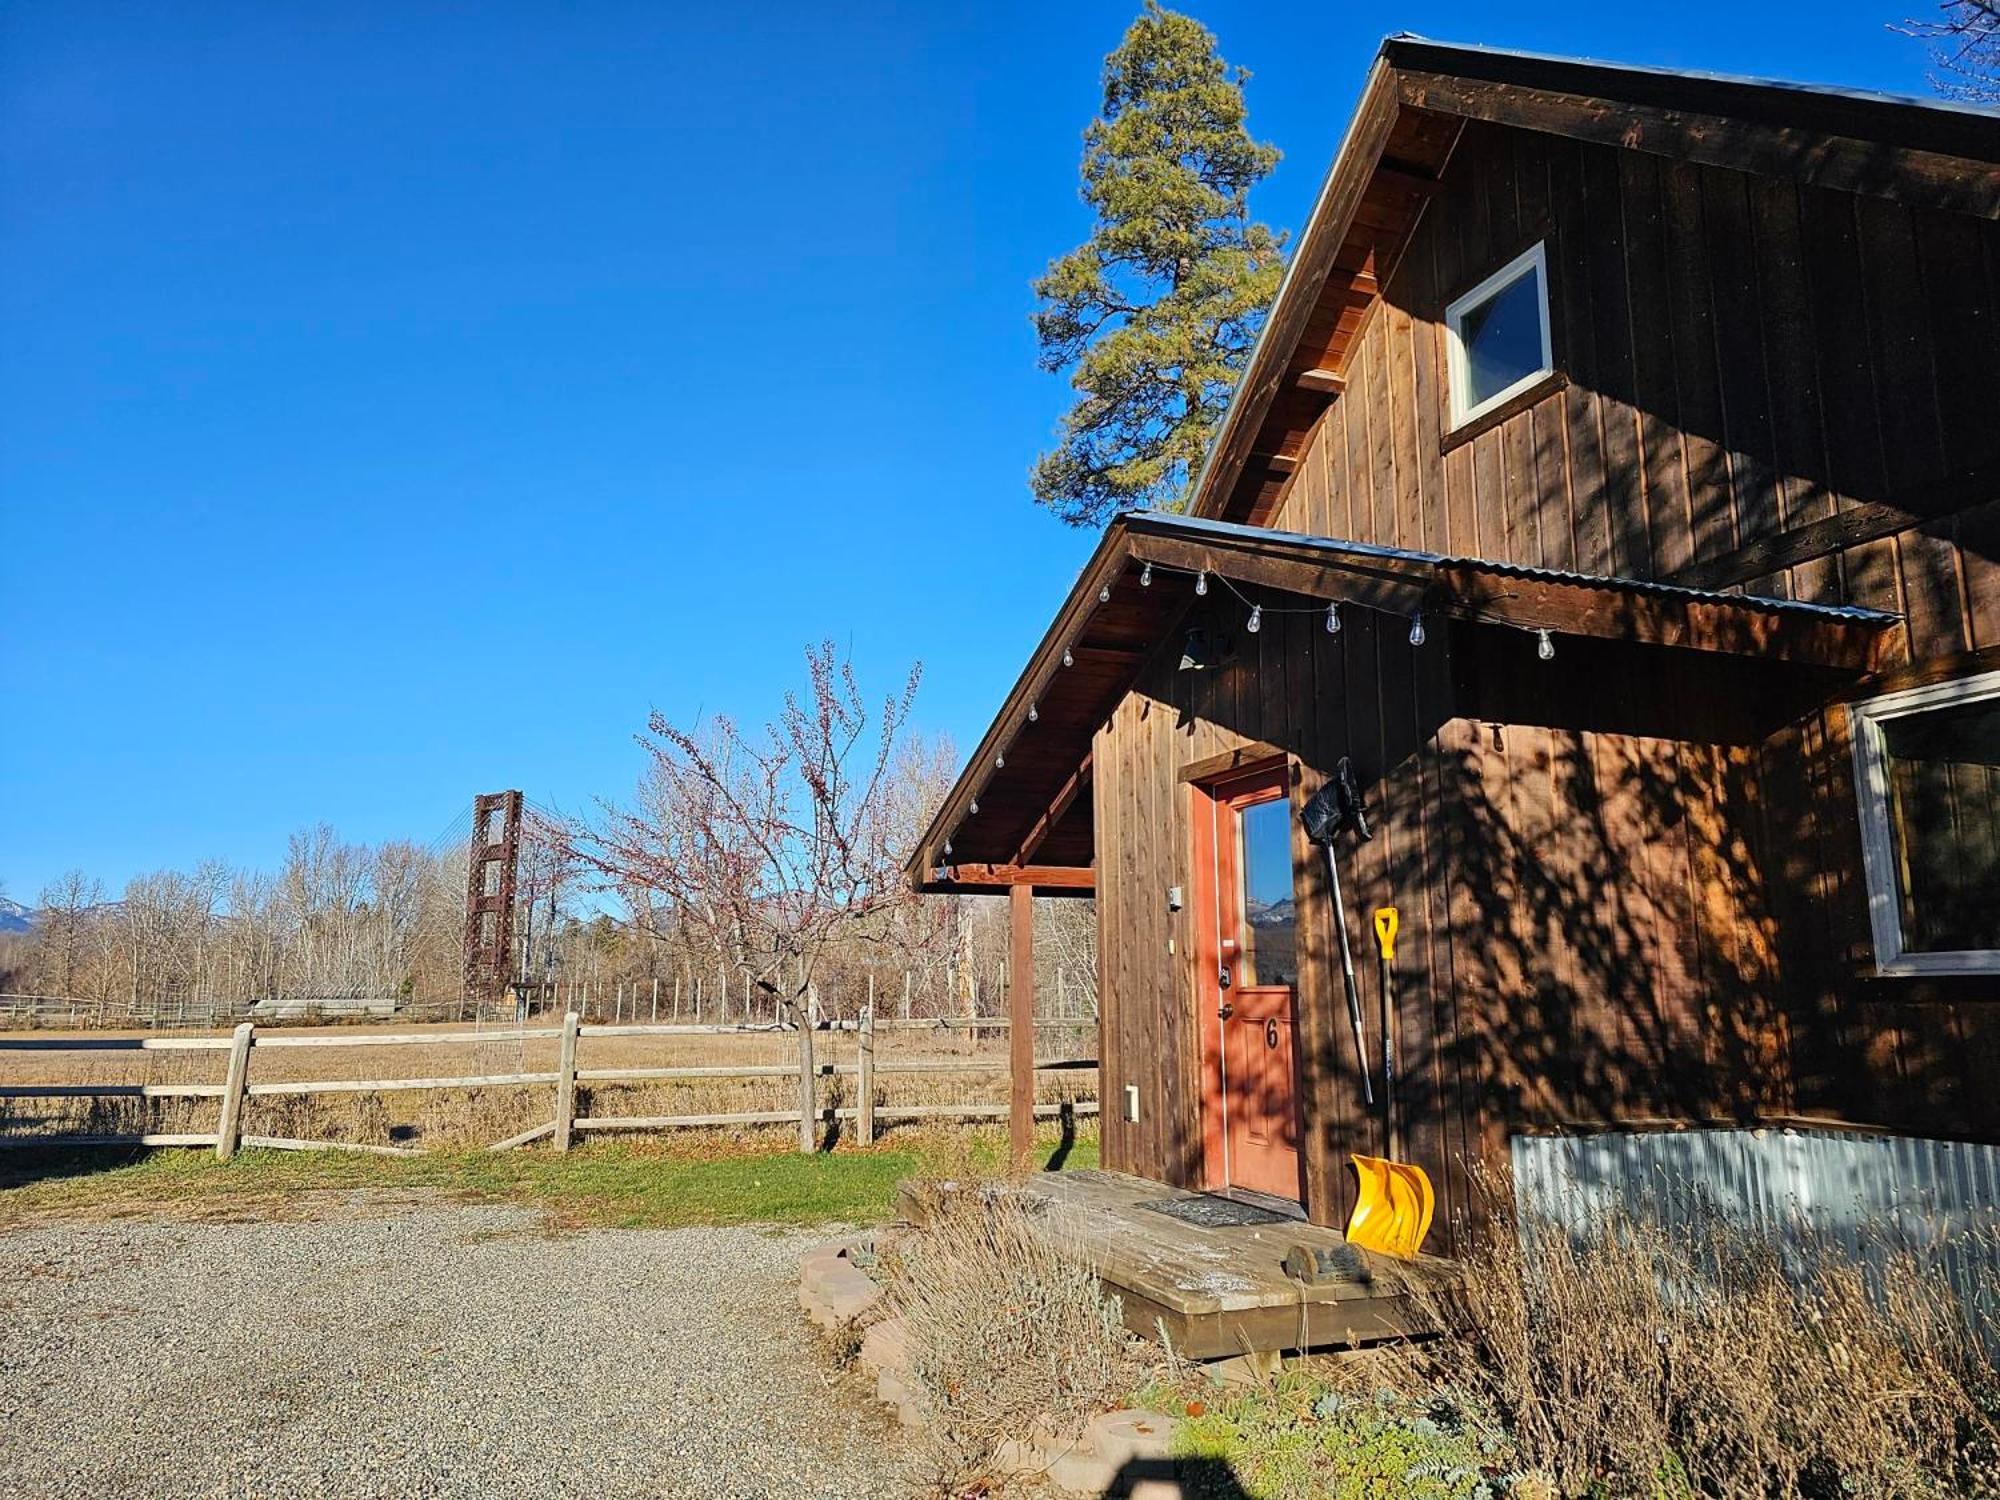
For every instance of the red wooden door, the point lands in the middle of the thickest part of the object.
(1247, 978)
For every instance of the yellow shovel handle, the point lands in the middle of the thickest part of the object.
(1385, 929)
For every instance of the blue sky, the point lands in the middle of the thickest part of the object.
(399, 401)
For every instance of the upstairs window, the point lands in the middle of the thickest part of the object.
(1497, 336)
(1927, 771)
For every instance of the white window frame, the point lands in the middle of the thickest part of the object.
(1878, 839)
(1534, 259)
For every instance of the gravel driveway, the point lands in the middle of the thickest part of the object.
(420, 1348)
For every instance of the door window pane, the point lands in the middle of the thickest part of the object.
(1943, 774)
(1270, 915)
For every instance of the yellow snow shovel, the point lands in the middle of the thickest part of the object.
(1393, 1211)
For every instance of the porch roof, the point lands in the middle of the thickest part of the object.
(1021, 814)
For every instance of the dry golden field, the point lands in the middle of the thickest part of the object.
(955, 1070)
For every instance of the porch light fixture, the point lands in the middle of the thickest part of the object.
(1333, 618)
(1416, 630)
(1201, 581)
(1201, 652)
(1146, 576)
(1545, 645)
(1256, 619)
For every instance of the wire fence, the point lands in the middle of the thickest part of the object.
(675, 999)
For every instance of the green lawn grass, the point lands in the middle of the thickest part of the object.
(649, 1184)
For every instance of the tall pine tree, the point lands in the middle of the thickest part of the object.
(1155, 313)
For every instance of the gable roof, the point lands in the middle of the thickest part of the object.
(1418, 96)
(1021, 811)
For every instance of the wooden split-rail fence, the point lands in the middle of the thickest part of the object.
(237, 1086)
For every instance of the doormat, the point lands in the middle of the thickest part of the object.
(1214, 1213)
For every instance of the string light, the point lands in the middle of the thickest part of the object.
(1333, 618)
(1416, 630)
(975, 808)
(947, 848)
(1000, 761)
(1546, 645)
(1104, 594)
(1068, 660)
(1146, 576)
(1201, 581)
(1033, 713)
(1256, 619)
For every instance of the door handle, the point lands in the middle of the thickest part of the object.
(1225, 1010)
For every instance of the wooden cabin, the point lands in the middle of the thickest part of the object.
(1614, 487)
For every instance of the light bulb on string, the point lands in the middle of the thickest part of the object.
(947, 848)
(1201, 582)
(1256, 619)
(1146, 576)
(1416, 630)
(1545, 645)
(974, 809)
(1104, 594)
(1333, 618)
(1000, 761)
(1033, 713)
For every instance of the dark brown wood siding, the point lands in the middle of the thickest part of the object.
(1740, 357)
(1587, 932)
(1753, 373)
(1630, 884)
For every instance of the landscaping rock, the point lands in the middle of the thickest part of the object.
(886, 1346)
(832, 1289)
(1118, 1437)
(1082, 1472)
(892, 1390)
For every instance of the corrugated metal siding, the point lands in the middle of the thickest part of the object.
(1871, 1193)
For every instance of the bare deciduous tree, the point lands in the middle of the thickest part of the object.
(1965, 47)
(774, 847)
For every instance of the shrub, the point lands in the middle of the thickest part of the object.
(1704, 1360)
(1002, 1328)
(1305, 1437)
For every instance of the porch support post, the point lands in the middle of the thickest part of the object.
(1021, 1020)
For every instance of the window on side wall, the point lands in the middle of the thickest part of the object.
(1497, 336)
(1927, 771)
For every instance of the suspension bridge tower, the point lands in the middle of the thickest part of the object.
(493, 869)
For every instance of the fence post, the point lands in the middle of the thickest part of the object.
(566, 1081)
(808, 1139)
(229, 1129)
(864, 1119)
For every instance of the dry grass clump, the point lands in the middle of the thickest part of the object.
(1002, 1329)
(1650, 1361)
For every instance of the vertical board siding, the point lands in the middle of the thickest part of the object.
(1587, 935)
(1740, 356)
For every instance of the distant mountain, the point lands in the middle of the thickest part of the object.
(14, 917)
(1271, 914)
